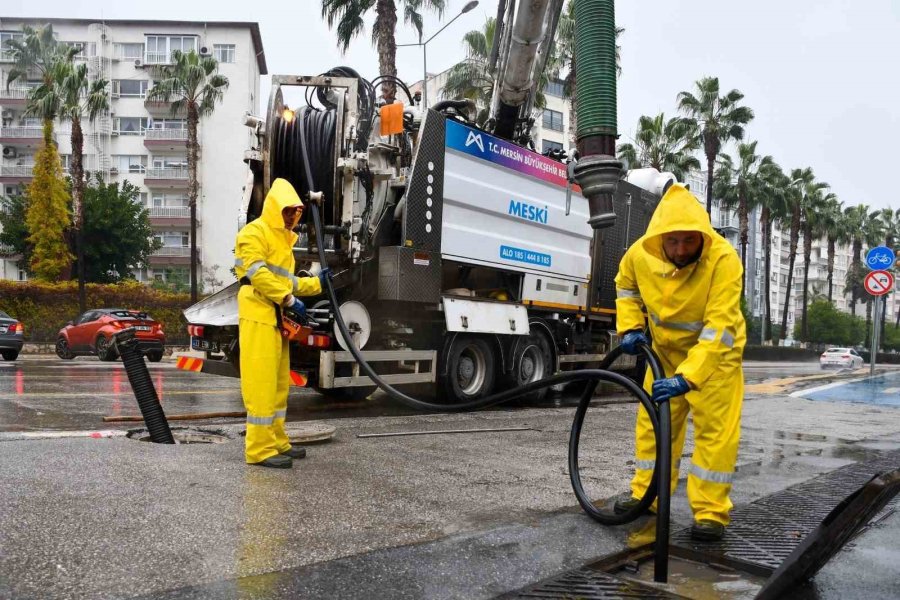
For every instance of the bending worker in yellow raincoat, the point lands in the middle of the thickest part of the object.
(688, 278)
(264, 262)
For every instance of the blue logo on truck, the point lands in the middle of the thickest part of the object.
(525, 256)
(528, 212)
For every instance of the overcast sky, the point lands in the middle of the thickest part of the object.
(823, 76)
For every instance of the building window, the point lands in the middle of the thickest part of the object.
(5, 36)
(131, 163)
(174, 239)
(548, 145)
(66, 160)
(553, 119)
(170, 201)
(170, 162)
(23, 275)
(142, 198)
(555, 88)
(129, 125)
(179, 124)
(224, 53)
(130, 88)
(160, 47)
(131, 51)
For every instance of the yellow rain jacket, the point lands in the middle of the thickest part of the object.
(698, 331)
(264, 256)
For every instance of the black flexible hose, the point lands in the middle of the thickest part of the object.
(142, 386)
(662, 469)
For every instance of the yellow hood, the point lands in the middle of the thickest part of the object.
(679, 210)
(280, 196)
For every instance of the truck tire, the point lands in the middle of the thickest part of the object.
(348, 394)
(470, 370)
(532, 361)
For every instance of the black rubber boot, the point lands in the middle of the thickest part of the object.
(623, 506)
(707, 531)
(279, 461)
(295, 452)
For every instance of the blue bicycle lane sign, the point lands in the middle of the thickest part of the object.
(880, 258)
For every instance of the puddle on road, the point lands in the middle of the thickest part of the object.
(879, 390)
(700, 581)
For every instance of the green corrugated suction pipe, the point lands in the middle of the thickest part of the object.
(595, 57)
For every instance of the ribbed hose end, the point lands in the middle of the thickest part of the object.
(139, 377)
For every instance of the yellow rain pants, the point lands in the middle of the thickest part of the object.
(699, 333)
(264, 258)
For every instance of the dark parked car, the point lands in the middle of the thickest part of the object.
(12, 336)
(92, 331)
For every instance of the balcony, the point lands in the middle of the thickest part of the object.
(16, 173)
(165, 139)
(14, 96)
(166, 178)
(162, 108)
(175, 216)
(171, 255)
(23, 137)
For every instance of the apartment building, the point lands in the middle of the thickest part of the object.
(143, 142)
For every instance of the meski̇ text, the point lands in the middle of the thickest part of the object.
(526, 211)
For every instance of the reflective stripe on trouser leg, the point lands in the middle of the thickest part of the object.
(260, 359)
(717, 431)
(281, 395)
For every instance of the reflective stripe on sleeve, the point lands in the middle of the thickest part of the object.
(727, 339)
(622, 293)
(708, 334)
(280, 414)
(280, 271)
(713, 476)
(239, 262)
(649, 465)
(254, 268)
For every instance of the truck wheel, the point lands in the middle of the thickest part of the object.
(470, 370)
(532, 361)
(105, 350)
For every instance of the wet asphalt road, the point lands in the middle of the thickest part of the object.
(48, 394)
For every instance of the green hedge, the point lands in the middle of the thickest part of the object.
(45, 308)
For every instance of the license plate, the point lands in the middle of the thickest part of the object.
(143, 327)
(201, 344)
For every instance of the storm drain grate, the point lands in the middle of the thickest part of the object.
(587, 584)
(763, 533)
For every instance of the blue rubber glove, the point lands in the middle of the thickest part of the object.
(631, 341)
(295, 310)
(668, 388)
(323, 274)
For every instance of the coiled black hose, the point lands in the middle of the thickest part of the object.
(662, 431)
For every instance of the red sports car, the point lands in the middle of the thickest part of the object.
(92, 331)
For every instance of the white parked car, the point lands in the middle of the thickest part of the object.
(840, 357)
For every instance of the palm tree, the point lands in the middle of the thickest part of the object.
(772, 184)
(194, 86)
(863, 231)
(718, 118)
(81, 97)
(565, 59)
(815, 207)
(740, 186)
(473, 77)
(663, 145)
(837, 233)
(349, 16)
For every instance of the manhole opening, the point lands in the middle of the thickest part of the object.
(185, 435)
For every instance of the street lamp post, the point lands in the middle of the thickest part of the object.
(469, 6)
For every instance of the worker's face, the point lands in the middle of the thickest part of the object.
(291, 216)
(682, 247)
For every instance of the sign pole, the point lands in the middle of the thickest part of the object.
(876, 320)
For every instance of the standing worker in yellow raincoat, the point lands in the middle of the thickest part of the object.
(688, 278)
(264, 262)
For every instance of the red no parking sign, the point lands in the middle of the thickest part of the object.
(879, 283)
